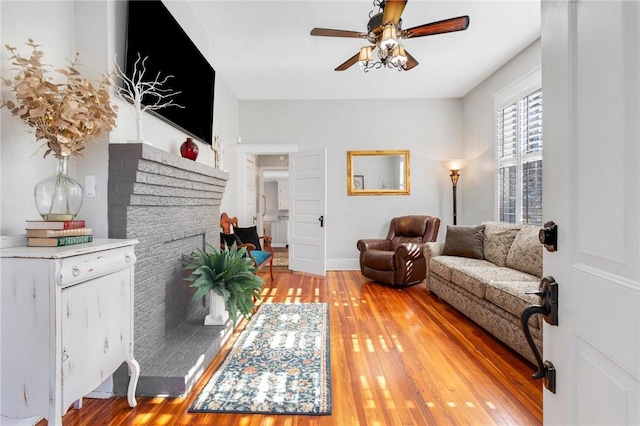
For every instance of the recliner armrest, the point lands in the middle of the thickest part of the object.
(411, 251)
(373, 244)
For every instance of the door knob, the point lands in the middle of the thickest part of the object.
(548, 236)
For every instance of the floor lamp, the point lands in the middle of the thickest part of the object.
(454, 166)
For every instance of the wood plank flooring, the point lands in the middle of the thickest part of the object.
(398, 357)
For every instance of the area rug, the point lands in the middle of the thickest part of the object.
(281, 258)
(279, 365)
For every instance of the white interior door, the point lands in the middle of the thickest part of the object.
(591, 81)
(307, 211)
(251, 212)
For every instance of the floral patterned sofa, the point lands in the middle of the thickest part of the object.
(484, 271)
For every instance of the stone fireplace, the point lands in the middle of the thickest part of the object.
(171, 205)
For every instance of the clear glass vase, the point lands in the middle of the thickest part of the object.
(59, 197)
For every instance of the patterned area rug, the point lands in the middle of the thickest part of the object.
(279, 365)
(281, 258)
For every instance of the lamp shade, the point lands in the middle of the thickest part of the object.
(389, 40)
(399, 58)
(455, 164)
(365, 54)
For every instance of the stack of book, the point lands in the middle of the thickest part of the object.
(48, 233)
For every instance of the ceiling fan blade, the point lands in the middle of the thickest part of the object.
(411, 61)
(346, 64)
(447, 26)
(326, 32)
(392, 11)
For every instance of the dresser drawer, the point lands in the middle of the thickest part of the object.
(74, 270)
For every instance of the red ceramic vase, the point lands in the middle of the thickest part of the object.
(189, 149)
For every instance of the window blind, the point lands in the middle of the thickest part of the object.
(519, 160)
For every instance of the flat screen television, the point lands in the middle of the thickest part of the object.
(153, 32)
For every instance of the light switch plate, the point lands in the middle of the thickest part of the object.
(90, 186)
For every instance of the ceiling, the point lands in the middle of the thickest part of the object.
(263, 50)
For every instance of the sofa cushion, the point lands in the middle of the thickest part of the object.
(525, 253)
(260, 256)
(465, 241)
(439, 266)
(498, 237)
(442, 265)
(476, 278)
(510, 296)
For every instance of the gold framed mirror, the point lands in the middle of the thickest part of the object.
(380, 172)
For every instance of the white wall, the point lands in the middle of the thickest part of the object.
(21, 169)
(226, 124)
(430, 129)
(96, 30)
(476, 187)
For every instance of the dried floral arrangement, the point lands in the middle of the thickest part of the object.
(68, 115)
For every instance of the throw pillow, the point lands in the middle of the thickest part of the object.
(498, 237)
(249, 236)
(464, 241)
(229, 239)
(525, 253)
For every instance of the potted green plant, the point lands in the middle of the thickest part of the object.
(229, 273)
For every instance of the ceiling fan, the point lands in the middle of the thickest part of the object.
(383, 32)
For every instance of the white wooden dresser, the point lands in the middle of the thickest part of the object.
(67, 324)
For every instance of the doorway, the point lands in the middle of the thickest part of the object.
(273, 193)
(311, 248)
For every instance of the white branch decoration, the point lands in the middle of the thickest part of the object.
(134, 89)
(217, 150)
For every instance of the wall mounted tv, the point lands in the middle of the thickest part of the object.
(154, 33)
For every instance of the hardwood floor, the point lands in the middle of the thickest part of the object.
(398, 357)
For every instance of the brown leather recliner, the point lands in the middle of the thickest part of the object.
(399, 259)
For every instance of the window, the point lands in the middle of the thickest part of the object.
(519, 152)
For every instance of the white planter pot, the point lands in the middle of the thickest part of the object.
(218, 314)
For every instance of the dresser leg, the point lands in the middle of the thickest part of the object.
(77, 404)
(134, 372)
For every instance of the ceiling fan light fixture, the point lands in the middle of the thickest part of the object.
(384, 29)
(366, 55)
(399, 58)
(389, 39)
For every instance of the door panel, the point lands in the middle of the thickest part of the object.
(591, 190)
(307, 196)
(595, 370)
